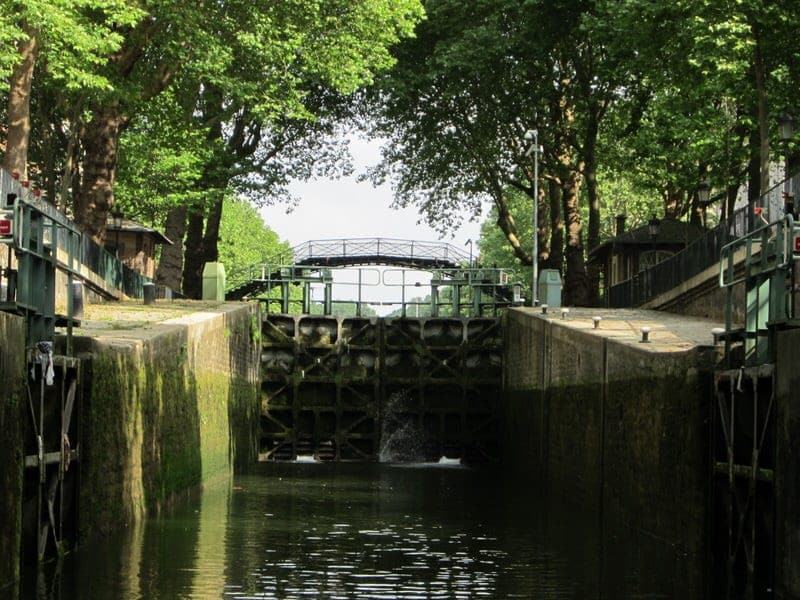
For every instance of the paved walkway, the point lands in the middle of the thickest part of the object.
(669, 332)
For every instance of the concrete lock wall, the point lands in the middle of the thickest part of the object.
(166, 409)
(614, 427)
(787, 474)
(12, 414)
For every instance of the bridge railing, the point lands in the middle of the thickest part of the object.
(703, 253)
(380, 248)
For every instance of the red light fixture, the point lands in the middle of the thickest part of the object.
(5, 226)
(757, 211)
(797, 244)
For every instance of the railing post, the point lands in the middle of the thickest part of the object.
(358, 306)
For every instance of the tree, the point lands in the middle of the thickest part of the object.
(457, 104)
(245, 240)
(71, 38)
(239, 64)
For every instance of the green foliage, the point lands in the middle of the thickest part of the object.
(161, 163)
(75, 36)
(246, 240)
(493, 245)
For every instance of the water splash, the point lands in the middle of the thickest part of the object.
(401, 433)
(305, 458)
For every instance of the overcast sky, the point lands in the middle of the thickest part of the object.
(347, 208)
(333, 208)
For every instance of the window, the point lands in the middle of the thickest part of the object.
(646, 258)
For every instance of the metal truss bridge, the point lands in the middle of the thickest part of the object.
(456, 283)
(411, 254)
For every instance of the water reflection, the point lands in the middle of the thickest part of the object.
(368, 531)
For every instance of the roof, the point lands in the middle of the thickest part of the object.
(129, 226)
(671, 232)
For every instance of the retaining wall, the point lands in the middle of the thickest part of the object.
(12, 407)
(614, 425)
(787, 474)
(166, 409)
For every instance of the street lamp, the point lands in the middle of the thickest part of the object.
(116, 221)
(532, 135)
(704, 192)
(786, 127)
(653, 226)
(469, 243)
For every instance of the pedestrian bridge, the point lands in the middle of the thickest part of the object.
(470, 289)
(413, 254)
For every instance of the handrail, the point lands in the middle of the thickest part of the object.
(782, 241)
(702, 254)
(89, 262)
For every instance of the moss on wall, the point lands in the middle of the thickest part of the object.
(165, 413)
(12, 376)
(615, 428)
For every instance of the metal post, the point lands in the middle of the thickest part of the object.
(328, 299)
(307, 298)
(403, 294)
(285, 297)
(434, 300)
(535, 257)
(358, 306)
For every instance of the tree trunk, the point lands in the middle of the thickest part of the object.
(100, 143)
(673, 203)
(556, 259)
(19, 107)
(760, 73)
(193, 261)
(170, 266)
(506, 223)
(753, 176)
(593, 234)
(575, 282)
(211, 237)
(544, 227)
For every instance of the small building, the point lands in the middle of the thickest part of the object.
(629, 252)
(134, 244)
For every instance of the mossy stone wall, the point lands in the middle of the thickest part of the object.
(12, 414)
(787, 475)
(164, 411)
(614, 428)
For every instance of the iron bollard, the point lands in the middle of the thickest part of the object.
(149, 293)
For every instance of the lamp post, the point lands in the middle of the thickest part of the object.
(469, 243)
(532, 135)
(116, 220)
(704, 198)
(653, 226)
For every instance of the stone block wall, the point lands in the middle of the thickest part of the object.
(787, 475)
(12, 415)
(614, 428)
(165, 410)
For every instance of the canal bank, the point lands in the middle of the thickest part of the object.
(169, 402)
(12, 406)
(615, 425)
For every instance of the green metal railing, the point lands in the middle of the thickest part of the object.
(41, 241)
(763, 262)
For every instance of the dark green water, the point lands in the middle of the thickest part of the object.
(365, 531)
